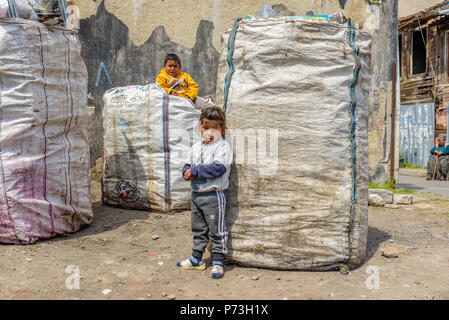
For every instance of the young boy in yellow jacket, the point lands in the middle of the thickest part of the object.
(175, 82)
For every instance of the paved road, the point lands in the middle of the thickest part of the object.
(421, 184)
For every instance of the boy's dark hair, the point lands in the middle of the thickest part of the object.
(214, 113)
(172, 56)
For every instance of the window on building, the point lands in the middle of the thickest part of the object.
(419, 56)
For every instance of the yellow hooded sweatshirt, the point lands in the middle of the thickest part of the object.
(182, 83)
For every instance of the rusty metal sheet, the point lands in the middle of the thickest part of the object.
(417, 133)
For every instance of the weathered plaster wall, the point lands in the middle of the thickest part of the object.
(125, 42)
(384, 55)
(181, 18)
(408, 7)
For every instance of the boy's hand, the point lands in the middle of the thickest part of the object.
(174, 93)
(187, 175)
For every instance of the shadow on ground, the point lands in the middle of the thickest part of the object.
(105, 219)
(408, 186)
(375, 238)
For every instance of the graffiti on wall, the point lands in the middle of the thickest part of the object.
(110, 54)
(342, 3)
(102, 69)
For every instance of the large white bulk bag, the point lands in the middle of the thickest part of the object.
(44, 152)
(300, 201)
(147, 135)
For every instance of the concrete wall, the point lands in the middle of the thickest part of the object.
(125, 42)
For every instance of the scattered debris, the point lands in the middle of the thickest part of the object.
(393, 251)
(390, 252)
(106, 291)
(164, 294)
(403, 198)
(255, 278)
(137, 245)
(171, 297)
(344, 269)
(152, 253)
(392, 206)
(155, 237)
(375, 200)
(386, 195)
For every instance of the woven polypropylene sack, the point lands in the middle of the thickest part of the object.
(44, 151)
(147, 134)
(299, 90)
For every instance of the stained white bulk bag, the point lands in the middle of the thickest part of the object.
(44, 152)
(298, 89)
(147, 135)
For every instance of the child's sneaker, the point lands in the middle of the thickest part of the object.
(192, 264)
(217, 270)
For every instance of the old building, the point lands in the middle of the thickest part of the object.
(424, 80)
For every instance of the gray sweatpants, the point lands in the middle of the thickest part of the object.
(208, 222)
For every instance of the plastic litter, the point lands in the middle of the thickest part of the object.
(106, 291)
(4, 9)
(335, 17)
(25, 11)
(44, 7)
(266, 11)
(17, 9)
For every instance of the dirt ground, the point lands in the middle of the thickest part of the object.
(117, 253)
